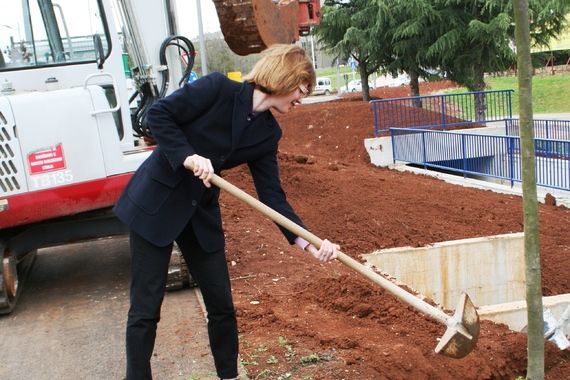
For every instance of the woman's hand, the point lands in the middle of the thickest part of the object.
(327, 252)
(201, 166)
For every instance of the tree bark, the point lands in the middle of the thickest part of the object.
(415, 88)
(480, 103)
(535, 366)
(364, 78)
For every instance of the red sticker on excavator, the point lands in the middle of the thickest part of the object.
(46, 160)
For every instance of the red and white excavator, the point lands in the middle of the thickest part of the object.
(68, 134)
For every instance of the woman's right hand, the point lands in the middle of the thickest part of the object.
(201, 166)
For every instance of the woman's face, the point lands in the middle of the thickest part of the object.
(284, 103)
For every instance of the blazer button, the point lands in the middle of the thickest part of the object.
(248, 118)
(194, 203)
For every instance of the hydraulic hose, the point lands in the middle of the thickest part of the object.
(185, 47)
(148, 91)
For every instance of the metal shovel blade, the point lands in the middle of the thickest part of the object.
(462, 330)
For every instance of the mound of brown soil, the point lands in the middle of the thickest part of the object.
(300, 319)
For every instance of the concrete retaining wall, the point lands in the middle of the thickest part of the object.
(489, 269)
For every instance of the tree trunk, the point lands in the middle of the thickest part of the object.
(535, 366)
(364, 80)
(480, 103)
(415, 88)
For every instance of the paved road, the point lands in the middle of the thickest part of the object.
(319, 98)
(70, 321)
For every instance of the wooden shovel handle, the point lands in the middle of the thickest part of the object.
(394, 289)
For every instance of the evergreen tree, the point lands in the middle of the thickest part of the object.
(347, 29)
(478, 37)
(463, 38)
(412, 25)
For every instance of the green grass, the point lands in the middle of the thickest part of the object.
(550, 93)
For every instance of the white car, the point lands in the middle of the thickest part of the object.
(323, 86)
(400, 80)
(356, 85)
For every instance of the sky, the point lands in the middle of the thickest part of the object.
(189, 25)
(187, 18)
(12, 25)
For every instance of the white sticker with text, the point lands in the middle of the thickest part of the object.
(52, 179)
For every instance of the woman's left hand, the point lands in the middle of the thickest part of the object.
(327, 252)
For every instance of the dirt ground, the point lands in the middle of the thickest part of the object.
(301, 319)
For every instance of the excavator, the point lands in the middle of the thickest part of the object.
(71, 122)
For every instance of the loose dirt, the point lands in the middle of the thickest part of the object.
(301, 319)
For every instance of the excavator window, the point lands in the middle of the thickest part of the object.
(44, 32)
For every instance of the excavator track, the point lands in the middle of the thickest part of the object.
(250, 26)
(179, 276)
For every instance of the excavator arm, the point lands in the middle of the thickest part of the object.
(249, 26)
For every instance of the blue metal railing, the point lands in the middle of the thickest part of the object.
(482, 155)
(442, 111)
(544, 129)
(547, 134)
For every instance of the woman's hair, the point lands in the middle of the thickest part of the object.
(282, 69)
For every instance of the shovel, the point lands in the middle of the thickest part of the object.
(462, 328)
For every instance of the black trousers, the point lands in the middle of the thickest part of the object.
(148, 282)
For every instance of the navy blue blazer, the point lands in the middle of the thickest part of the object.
(211, 117)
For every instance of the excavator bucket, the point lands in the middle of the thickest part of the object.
(250, 26)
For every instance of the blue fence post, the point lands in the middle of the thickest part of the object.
(510, 103)
(567, 153)
(511, 160)
(443, 118)
(548, 162)
(464, 153)
(376, 126)
(424, 159)
(393, 145)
